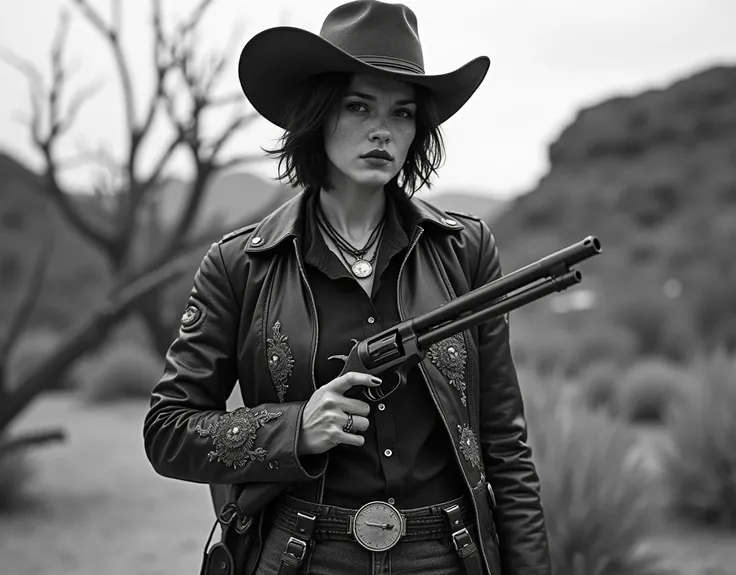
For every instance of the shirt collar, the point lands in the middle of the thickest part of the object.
(286, 222)
(393, 240)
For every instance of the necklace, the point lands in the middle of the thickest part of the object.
(362, 267)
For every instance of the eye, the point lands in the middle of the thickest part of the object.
(405, 113)
(356, 106)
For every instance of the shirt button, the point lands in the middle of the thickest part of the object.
(381, 407)
(273, 464)
(388, 453)
(391, 500)
(371, 319)
(256, 240)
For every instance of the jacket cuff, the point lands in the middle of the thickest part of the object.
(280, 440)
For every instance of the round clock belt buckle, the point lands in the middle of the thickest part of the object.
(378, 526)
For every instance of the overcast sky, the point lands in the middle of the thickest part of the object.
(549, 58)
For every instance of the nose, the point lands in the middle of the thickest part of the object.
(380, 133)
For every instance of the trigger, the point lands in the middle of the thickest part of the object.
(344, 358)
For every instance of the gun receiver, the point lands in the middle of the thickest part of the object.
(394, 351)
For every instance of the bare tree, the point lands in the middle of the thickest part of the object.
(30, 291)
(185, 91)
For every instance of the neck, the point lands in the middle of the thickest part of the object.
(354, 211)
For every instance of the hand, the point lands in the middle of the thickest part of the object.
(326, 413)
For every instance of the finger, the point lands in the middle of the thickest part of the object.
(354, 406)
(360, 424)
(351, 439)
(346, 381)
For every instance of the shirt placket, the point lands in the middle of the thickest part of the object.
(383, 419)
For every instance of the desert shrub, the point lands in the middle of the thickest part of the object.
(541, 347)
(31, 349)
(661, 327)
(604, 342)
(650, 389)
(598, 502)
(121, 370)
(701, 466)
(598, 387)
(15, 472)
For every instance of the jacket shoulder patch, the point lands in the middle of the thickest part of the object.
(192, 315)
(238, 232)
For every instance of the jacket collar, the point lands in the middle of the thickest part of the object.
(287, 221)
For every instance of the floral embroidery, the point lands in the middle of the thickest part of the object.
(234, 435)
(469, 445)
(280, 360)
(449, 356)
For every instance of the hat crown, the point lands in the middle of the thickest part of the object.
(382, 34)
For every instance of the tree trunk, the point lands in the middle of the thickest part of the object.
(30, 440)
(161, 331)
(85, 337)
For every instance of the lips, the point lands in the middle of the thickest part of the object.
(380, 154)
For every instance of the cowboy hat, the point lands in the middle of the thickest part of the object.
(364, 36)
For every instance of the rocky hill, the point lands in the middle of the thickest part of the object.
(654, 177)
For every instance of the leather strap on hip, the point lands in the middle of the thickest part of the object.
(297, 545)
(466, 548)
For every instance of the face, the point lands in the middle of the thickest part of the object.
(375, 116)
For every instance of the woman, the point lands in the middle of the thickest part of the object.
(437, 476)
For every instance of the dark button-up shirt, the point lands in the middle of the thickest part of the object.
(407, 458)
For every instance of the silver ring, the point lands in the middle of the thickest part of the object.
(349, 424)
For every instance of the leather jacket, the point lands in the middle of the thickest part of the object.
(251, 320)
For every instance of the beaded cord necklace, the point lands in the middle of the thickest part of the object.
(362, 267)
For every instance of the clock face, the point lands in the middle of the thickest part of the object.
(378, 526)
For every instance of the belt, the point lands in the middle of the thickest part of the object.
(377, 525)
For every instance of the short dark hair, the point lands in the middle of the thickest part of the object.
(302, 157)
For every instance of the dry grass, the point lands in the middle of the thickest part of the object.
(102, 510)
(100, 507)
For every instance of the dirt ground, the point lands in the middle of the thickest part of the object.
(101, 509)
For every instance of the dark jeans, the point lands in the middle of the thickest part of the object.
(433, 557)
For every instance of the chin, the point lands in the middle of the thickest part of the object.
(373, 180)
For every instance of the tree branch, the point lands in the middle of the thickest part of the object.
(196, 16)
(31, 292)
(30, 439)
(113, 40)
(237, 123)
(162, 67)
(46, 140)
(37, 90)
(75, 104)
(162, 161)
(192, 243)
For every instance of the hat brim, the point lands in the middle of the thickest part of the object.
(275, 62)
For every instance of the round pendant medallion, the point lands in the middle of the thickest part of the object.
(362, 269)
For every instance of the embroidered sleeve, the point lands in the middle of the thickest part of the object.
(234, 436)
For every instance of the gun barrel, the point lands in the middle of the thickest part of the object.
(553, 265)
(499, 308)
